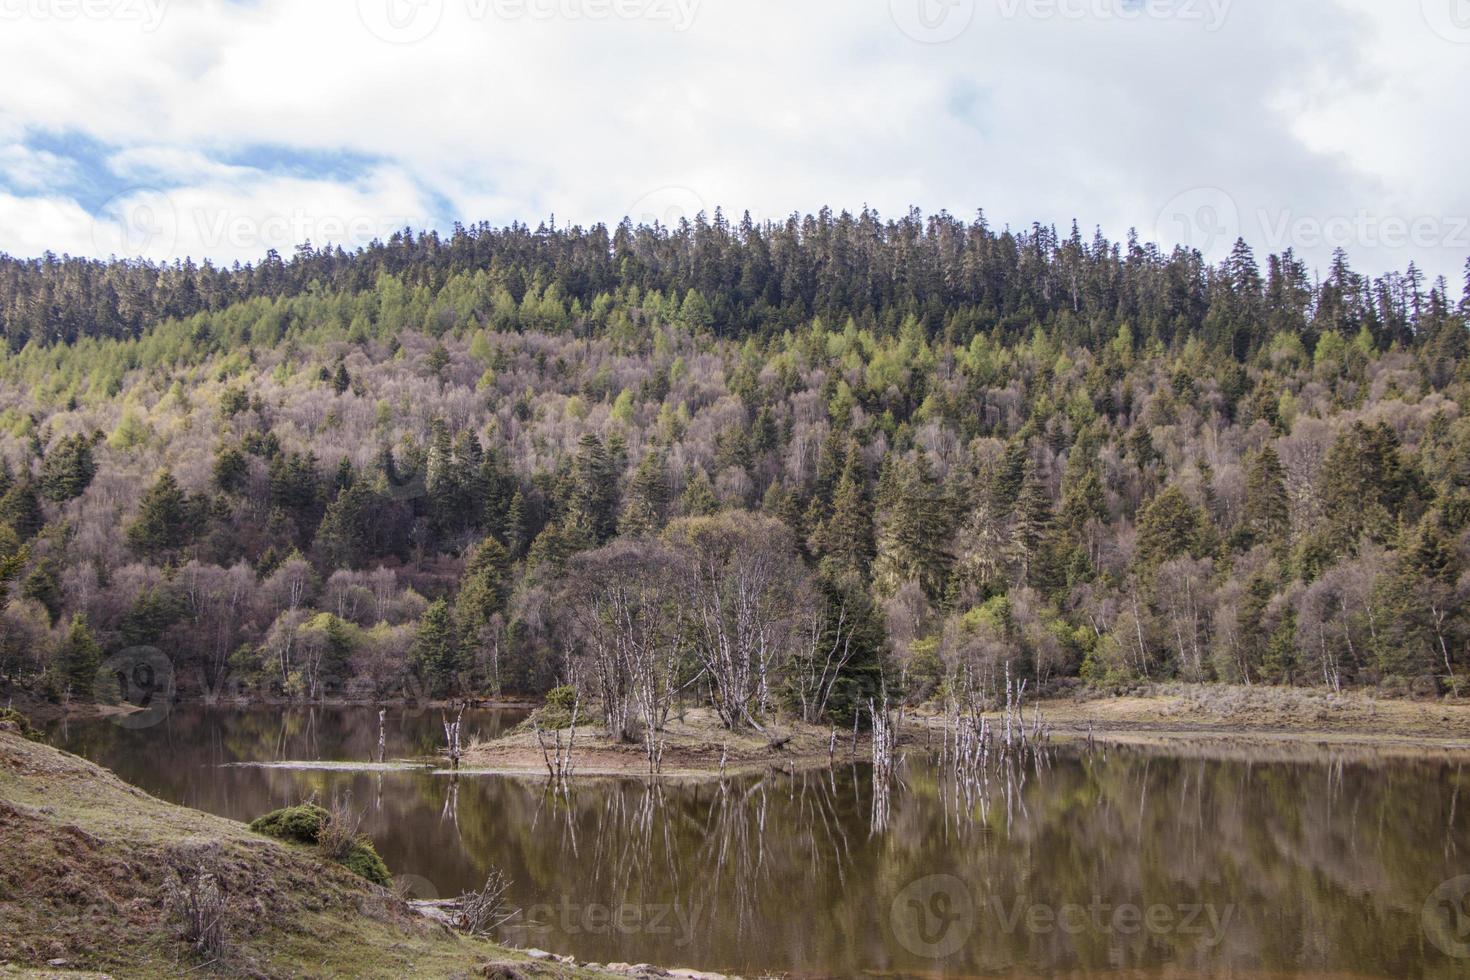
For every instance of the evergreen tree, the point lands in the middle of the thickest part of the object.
(1366, 487)
(1031, 522)
(1267, 520)
(1169, 527)
(591, 495)
(21, 510)
(162, 525)
(438, 653)
(845, 538)
(77, 661)
(699, 495)
(646, 503)
(68, 469)
(914, 535)
(484, 588)
(516, 530)
(231, 469)
(43, 585)
(349, 533)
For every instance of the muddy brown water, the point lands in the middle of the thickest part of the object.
(1129, 863)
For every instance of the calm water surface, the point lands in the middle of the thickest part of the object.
(1124, 864)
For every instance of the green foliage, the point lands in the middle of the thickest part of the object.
(1037, 410)
(362, 860)
(1267, 518)
(1169, 527)
(67, 469)
(20, 510)
(915, 525)
(302, 824)
(77, 660)
(15, 721)
(1366, 488)
(438, 651)
(162, 525)
(297, 824)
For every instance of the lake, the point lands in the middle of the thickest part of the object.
(1124, 863)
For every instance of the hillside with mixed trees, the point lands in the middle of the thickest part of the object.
(777, 465)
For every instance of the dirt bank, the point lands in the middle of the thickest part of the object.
(694, 745)
(1263, 717)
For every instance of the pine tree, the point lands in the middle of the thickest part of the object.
(43, 585)
(231, 469)
(484, 588)
(515, 524)
(591, 495)
(21, 510)
(699, 495)
(914, 535)
(1006, 485)
(77, 661)
(162, 525)
(647, 499)
(349, 530)
(437, 651)
(845, 538)
(1031, 522)
(68, 469)
(1366, 487)
(1267, 520)
(1169, 527)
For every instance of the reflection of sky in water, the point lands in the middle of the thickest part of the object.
(1087, 866)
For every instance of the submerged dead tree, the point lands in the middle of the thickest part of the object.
(453, 745)
(558, 758)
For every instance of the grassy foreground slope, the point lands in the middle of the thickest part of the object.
(86, 862)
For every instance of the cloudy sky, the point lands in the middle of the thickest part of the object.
(222, 128)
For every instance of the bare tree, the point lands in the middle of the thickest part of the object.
(741, 576)
(628, 621)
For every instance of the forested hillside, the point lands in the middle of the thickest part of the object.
(913, 454)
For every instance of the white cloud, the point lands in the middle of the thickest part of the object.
(1304, 115)
(34, 170)
(242, 219)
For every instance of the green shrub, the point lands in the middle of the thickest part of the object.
(562, 697)
(303, 824)
(10, 718)
(300, 824)
(363, 860)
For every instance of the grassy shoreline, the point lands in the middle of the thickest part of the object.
(86, 862)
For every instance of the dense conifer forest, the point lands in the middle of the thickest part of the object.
(908, 455)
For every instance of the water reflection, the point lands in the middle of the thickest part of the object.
(1080, 863)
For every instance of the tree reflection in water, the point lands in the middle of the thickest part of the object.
(1325, 865)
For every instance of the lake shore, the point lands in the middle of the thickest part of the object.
(1262, 718)
(90, 862)
(694, 745)
(1209, 720)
